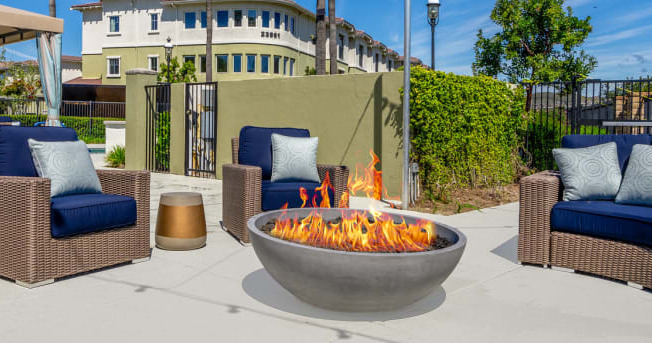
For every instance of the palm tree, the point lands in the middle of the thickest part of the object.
(209, 40)
(332, 40)
(320, 49)
(53, 8)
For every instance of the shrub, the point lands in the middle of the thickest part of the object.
(466, 131)
(162, 149)
(88, 130)
(116, 157)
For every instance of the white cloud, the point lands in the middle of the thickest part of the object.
(635, 15)
(613, 37)
(12, 54)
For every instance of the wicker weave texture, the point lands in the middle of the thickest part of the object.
(538, 194)
(29, 254)
(242, 191)
(616, 260)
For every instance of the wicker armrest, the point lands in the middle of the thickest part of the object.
(133, 183)
(24, 217)
(241, 197)
(339, 178)
(538, 194)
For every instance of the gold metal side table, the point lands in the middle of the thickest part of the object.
(181, 223)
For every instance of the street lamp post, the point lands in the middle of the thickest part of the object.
(433, 20)
(168, 54)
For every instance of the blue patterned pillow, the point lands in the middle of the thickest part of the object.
(68, 165)
(591, 173)
(637, 182)
(294, 159)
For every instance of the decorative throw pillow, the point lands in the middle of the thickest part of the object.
(294, 159)
(591, 173)
(637, 182)
(67, 164)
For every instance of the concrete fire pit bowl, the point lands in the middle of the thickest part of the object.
(353, 281)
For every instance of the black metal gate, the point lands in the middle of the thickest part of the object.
(201, 129)
(158, 128)
(590, 107)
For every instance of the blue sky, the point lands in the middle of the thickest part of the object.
(621, 38)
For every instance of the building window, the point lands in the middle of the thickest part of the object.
(189, 58)
(292, 26)
(153, 63)
(277, 64)
(277, 20)
(202, 18)
(292, 61)
(114, 24)
(153, 22)
(222, 63)
(287, 23)
(237, 63)
(251, 63)
(266, 19)
(189, 20)
(285, 65)
(222, 18)
(252, 17)
(264, 64)
(113, 67)
(361, 56)
(377, 63)
(340, 48)
(237, 18)
(202, 63)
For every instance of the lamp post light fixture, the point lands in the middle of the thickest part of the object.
(168, 54)
(433, 20)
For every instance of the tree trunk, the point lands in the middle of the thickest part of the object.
(209, 41)
(320, 49)
(332, 40)
(53, 8)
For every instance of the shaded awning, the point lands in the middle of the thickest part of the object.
(18, 25)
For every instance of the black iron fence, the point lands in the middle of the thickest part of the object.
(158, 128)
(86, 109)
(201, 129)
(591, 107)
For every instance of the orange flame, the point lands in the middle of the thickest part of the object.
(360, 231)
(357, 232)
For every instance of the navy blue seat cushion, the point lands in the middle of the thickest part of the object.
(277, 194)
(604, 219)
(84, 213)
(15, 156)
(256, 146)
(5, 119)
(625, 143)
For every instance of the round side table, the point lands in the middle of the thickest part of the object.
(181, 224)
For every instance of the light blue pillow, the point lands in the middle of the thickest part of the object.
(591, 173)
(68, 165)
(294, 159)
(637, 182)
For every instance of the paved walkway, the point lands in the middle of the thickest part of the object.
(221, 294)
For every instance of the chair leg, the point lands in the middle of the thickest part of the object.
(35, 284)
(635, 285)
(141, 260)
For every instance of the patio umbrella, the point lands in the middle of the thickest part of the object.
(18, 25)
(48, 46)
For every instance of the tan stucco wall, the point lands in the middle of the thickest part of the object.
(350, 114)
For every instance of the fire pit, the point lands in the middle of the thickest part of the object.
(357, 280)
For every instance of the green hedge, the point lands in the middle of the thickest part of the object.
(466, 131)
(88, 130)
(162, 149)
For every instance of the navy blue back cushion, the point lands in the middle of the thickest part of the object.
(256, 146)
(5, 119)
(625, 143)
(15, 156)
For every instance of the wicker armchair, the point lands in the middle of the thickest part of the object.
(538, 244)
(242, 191)
(30, 256)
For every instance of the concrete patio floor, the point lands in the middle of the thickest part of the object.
(221, 294)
